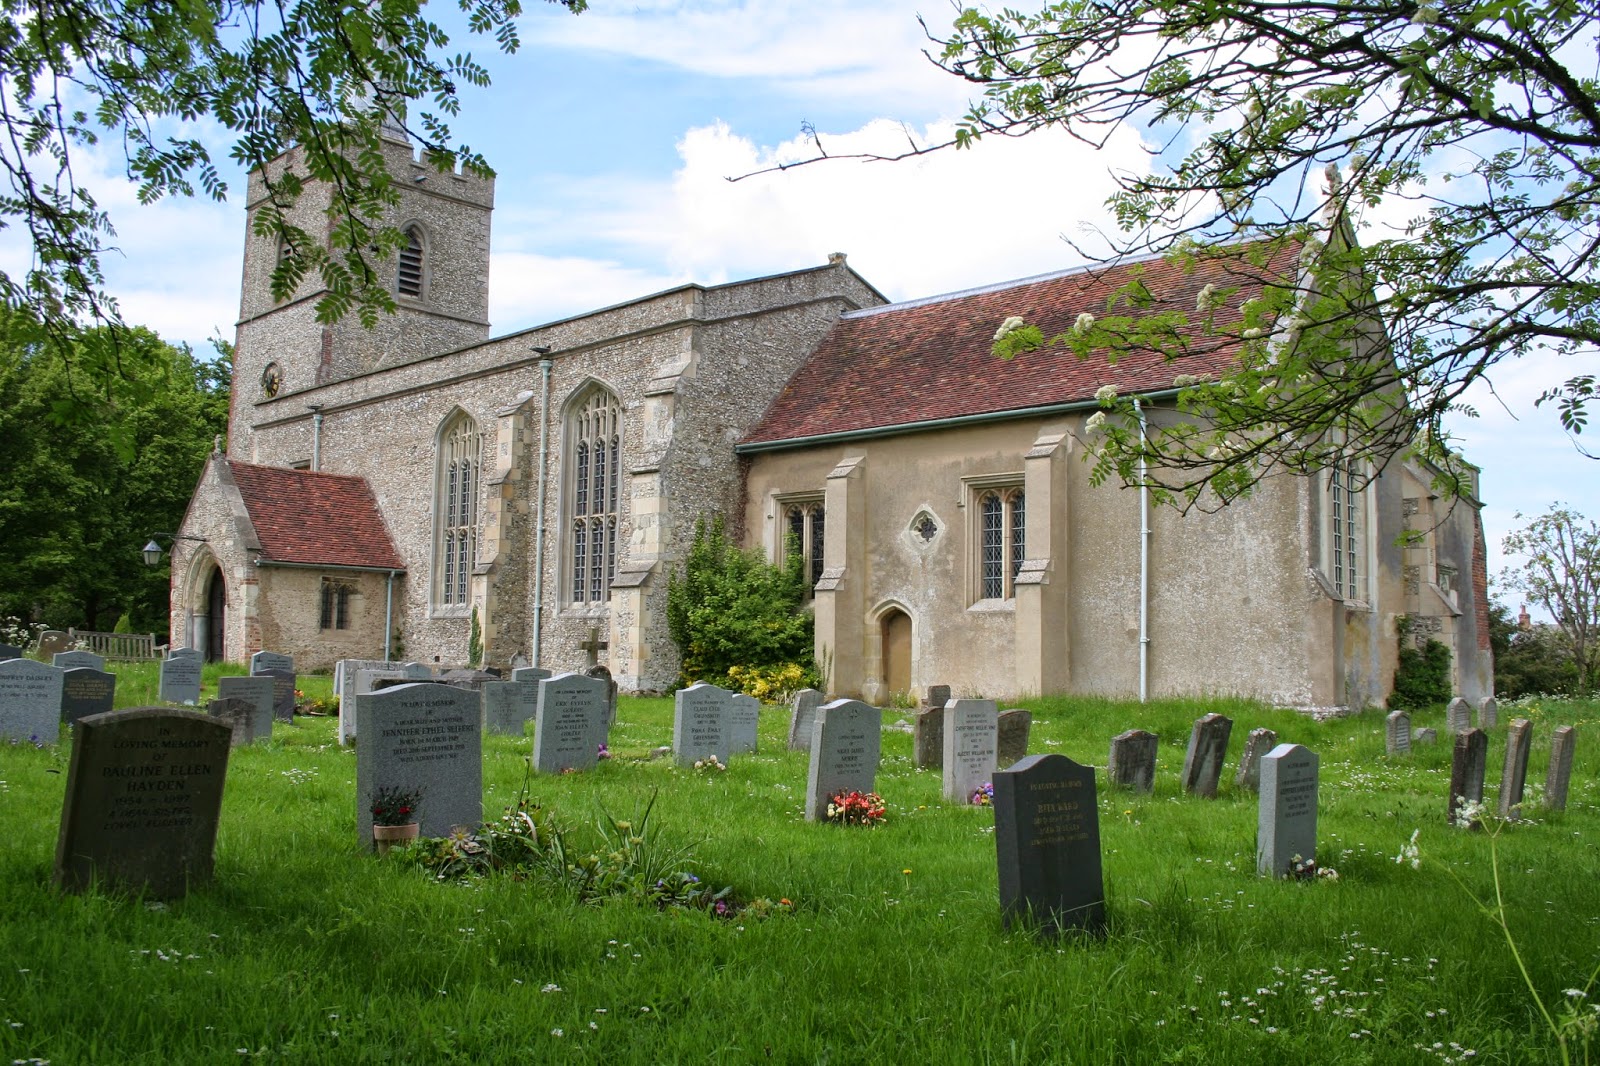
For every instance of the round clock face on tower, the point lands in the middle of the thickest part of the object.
(271, 380)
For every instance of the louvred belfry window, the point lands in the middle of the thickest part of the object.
(409, 281)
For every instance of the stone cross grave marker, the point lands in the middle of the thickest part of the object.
(258, 691)
(570, 724)
(144, 792)
(593, 647)
(1047, 846)
(280, 668)
(971, 746)
(1256, 747)
(1397, 733)
(30, 701)
(1468, 763)
(192, 654)
(1488, 713)
(1208, 747)
(240, 716)
(927, 739)
(534, 674)
(938, 696)
(1514, 776)
(9, 651)
(180, 680)
(1457, 716)
(1563, 743)
(76, 659)
(700, 723)
(1132, 762)
(845, 746)
(426, 737)
(802, 716)
(1286, 820)
(85, 691)
(744, 724)
(508, 707)
(1012, 745)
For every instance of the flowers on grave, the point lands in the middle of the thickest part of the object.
(395, 805)
(710, 764)
(1303, 869)
(983, 795)
(856, 808)
(602, 752)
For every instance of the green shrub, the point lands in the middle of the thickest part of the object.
(1422, 678)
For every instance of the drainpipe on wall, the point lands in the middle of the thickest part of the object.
(388, 618)
(1144, 560)
(316, 436)
(538, 534)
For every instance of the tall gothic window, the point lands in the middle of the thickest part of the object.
(409, 281)
(1346, 531)
(456, 508)
(1002, 527)
(594, 434)
(803, 530)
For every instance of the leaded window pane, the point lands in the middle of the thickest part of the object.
(457, 509)
(991, 546)
(616, 479)
(817, 530)
(595, 472)
(581, 499)
(580, 532)
(1019, 536)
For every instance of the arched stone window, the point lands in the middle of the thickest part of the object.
(594, 496)
(804, 530)
(456, 511)
(1002, 527)
(410, 277)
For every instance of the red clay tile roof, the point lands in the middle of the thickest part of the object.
(927, 360)
(313, 518)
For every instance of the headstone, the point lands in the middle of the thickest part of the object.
(9, 651)
(570, 724)
(535, 674)
(84, 692)
(30, 701)
(1397, 733)
(263, 661)
(971, 746)
(744, 723)
(52, 642)
(1425, 736)
(1047, 846)
(700, 723)
(1132, 763)
(1457, 716)
(1488, 713)
(1208, 747)
(611, 692)
(1468, 763)
(258, 691)
(508, 706)
(144, 792)
(845, 745)
(1012, 741)
(360, 678)
(280, 668)
(425, 737)
(193, 654)
(240, 716)
(938, 696)
(1514, 776)
(1563, 742)
(180, 680)
(76, 658)
(416, 671)
(1286, 825)
(1256, 747)
(927, 739)
(802, 716)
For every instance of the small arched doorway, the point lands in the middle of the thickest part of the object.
(213, 623)
(896, 631)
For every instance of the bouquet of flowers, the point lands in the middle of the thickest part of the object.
(983, 795)
(856, 808)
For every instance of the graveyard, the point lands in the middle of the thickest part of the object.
(840, 943)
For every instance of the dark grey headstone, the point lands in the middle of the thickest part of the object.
(508, 707)
(78, 659)
(421, 736)
(240, 716)
(570, 724)
(1563, 743)
(1468, 764)
(9, 651)
(1208, 748)
(1286, 824)
(802, 717)
(1014, 727)
(283, 687)
(1514, 776)
(1397, 733)
(1256, 747)
(845, 746)
(700, 723)
(1425, 736)
(52, 642)
(938, 696)
(1488, 713)
(30, 701)
(258, 691)
(1457, 716)
(1132, 763)
(180, 680)
(927, 739)
(1047, 846)
(971, 746)
(262, 661)
(84, 692)
(144, 792)
(744, 724)
(416, 671)
(534, 674)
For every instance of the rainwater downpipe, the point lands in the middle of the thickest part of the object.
(538, 522)
(316, 436)
(388, 617)
(1144, 559)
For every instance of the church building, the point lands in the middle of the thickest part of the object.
(388, 492)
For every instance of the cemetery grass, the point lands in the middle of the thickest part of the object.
(306, 948)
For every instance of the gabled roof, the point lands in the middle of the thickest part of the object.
(314, 519)
(896, 367)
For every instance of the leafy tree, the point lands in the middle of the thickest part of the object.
(1528, 662)
(1561, 573)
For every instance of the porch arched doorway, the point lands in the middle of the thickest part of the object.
(896, 632)
(211, 627)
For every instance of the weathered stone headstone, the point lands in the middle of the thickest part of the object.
(180, 680)
(263, 661)
(1047, 846)
(604, 674)
(927, 739)
(845, 746)
(240, 716)
(508, 707)
(30, 701)
(280, 668)
(1457, 716)
(9, 651)
(700, 723)
(194, 654)
(76, 659)
(426, 737)
(971, 746)
(1286, 821)
(1256, 747)
(144, 792)
(1425, 736)
(84, 692)
(744, 724)
(361, 678)
(1132, 762)
(258, 691)
(416, 671)
(938, 696)
(570, 724)
(1012, 745)
(1563, 743)
(52, 642)
(534, 674)
(1514, 776)
(1488, 713)
(1468, 763)
(1208, 748)
(1397, 733)
(802, 716)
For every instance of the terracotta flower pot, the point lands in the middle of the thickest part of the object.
(387, 836)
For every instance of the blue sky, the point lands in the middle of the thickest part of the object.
(614, 132)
